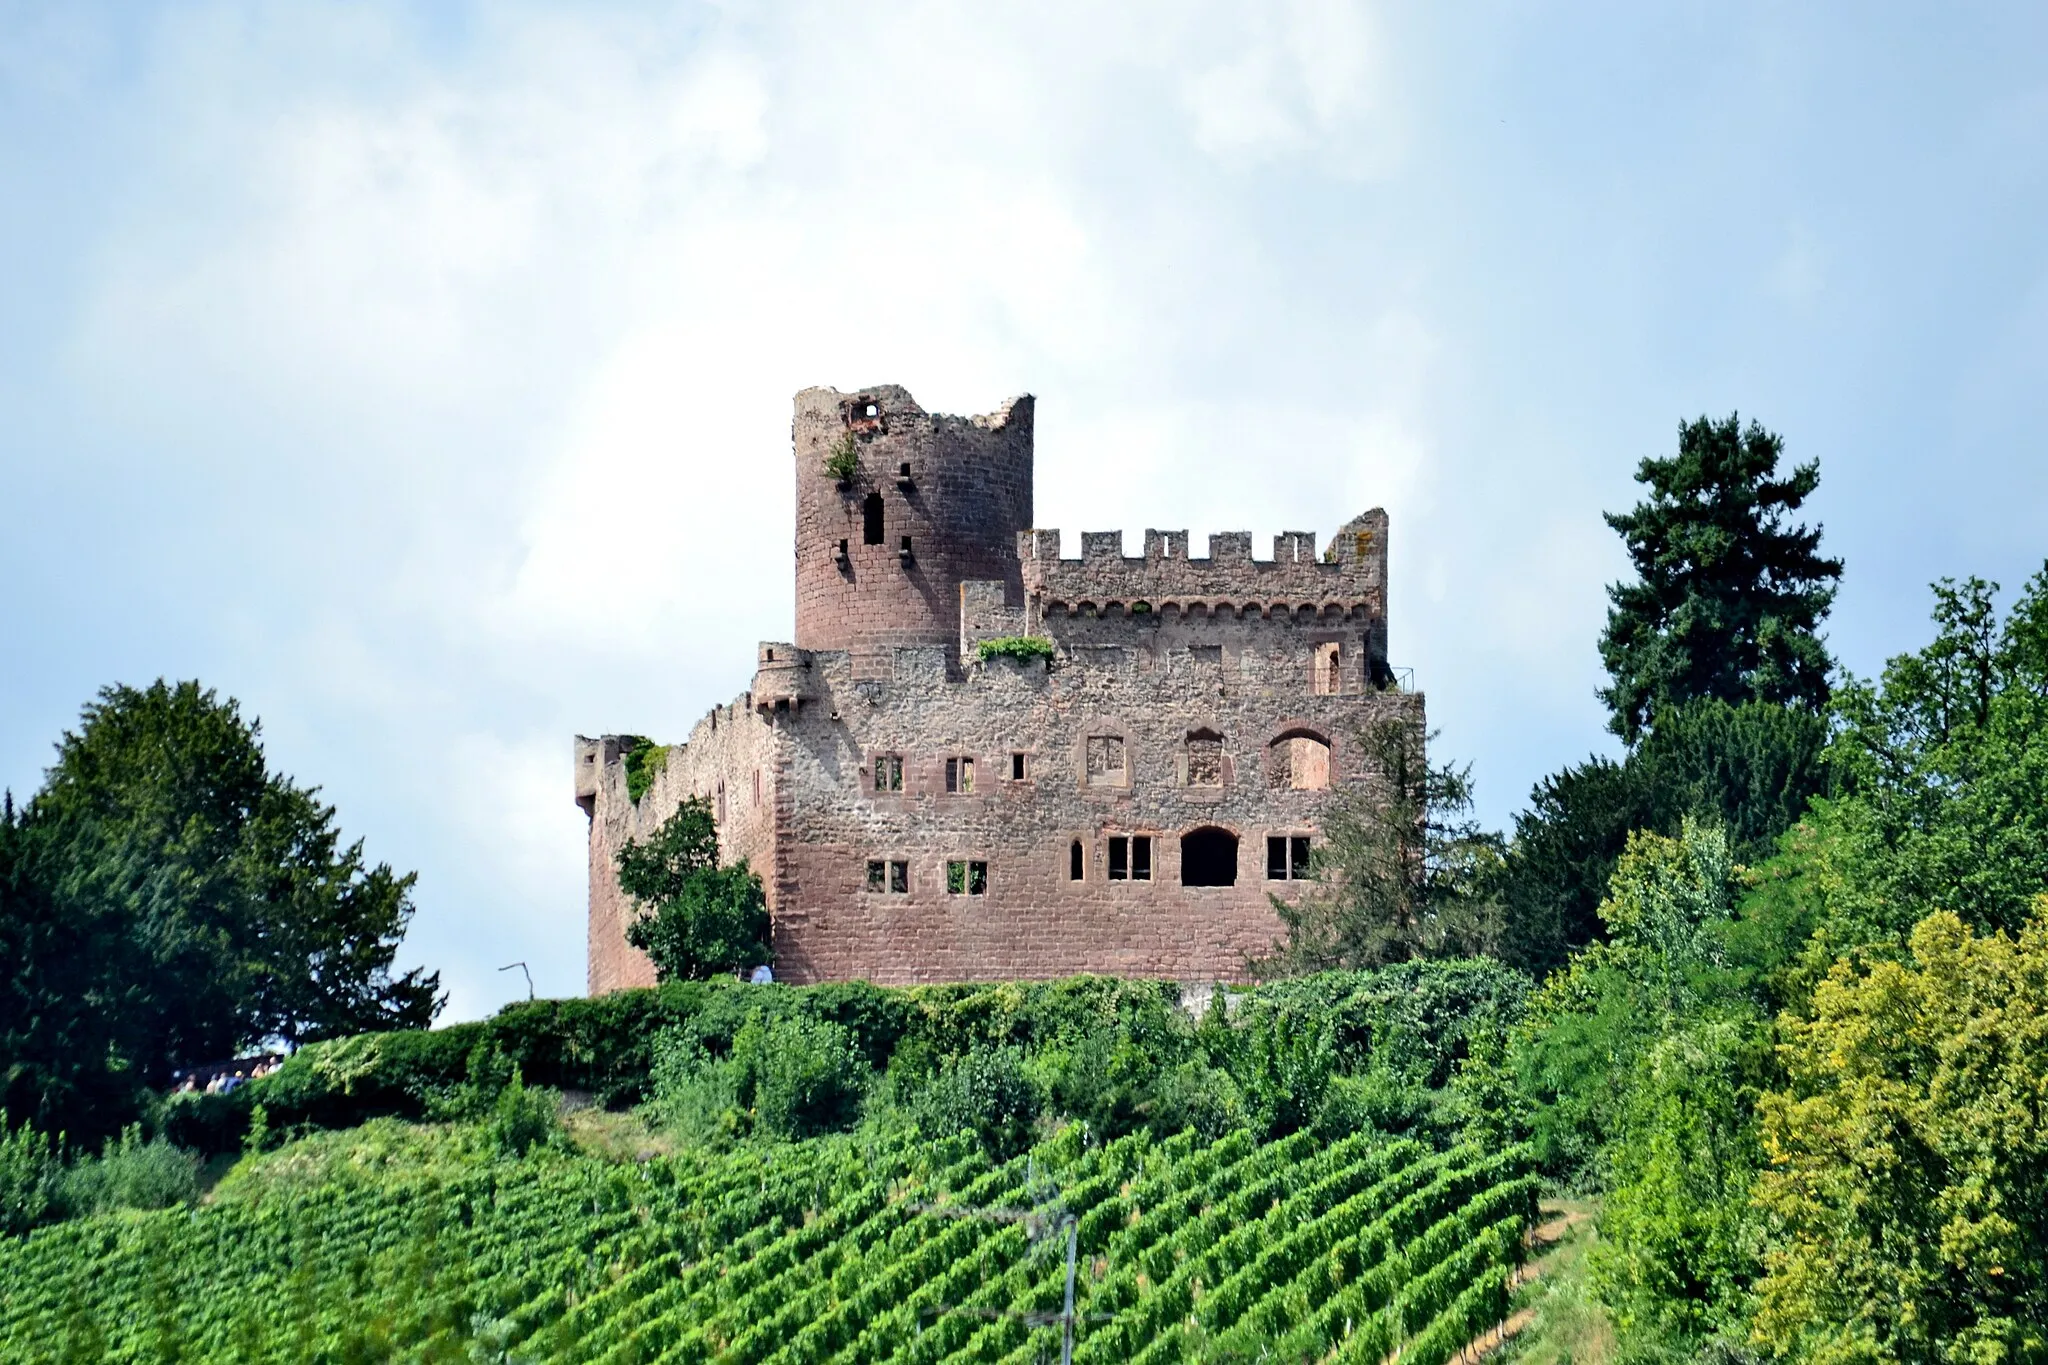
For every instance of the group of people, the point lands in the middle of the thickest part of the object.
(224, 1081)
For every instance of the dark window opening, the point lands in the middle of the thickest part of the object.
(871, 519)
(1077, 862)
(904, 553)
(1141, 858)
(960, 776)
(1119, 858)
(1208, 857)
(888, 773)
(891, 878)
(1016, 767)
(966, 879)
(878, 875)
(1287, 857)
(899, 879)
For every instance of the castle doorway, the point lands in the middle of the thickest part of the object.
(1208, 857)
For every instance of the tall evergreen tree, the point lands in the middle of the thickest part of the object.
(1730, 593)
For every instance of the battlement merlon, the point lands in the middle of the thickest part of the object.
(1353, 575)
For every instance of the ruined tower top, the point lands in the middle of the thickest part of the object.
(895, 509)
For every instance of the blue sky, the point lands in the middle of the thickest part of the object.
(420, 375)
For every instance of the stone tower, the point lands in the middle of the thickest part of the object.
(931, 502)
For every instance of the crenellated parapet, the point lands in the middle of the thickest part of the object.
(1346, 582)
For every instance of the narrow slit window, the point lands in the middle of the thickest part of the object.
(1141, 858)
(1077, 862)
(1119, 858)
(871, 519)
(1017, 767)
(1327, 679)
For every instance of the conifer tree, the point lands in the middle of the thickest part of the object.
(1729, 592)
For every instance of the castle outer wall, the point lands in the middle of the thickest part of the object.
(919, 814)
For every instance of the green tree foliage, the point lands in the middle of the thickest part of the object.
(179, 901)
(1729, 594)
(1945, 763)
(990, 1093)
(1403, 871)
(697, 919)
(1908, 1154)
(1642, 1060)
(1749, 767)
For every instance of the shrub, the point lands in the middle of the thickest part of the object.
(989, 1093)
(29, 1168)
(522, 1119)
(130, 1174)
(1023, 648)
(644, 759)
(842, 461)
(789, 1077)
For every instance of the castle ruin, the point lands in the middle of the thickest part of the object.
(919, 813)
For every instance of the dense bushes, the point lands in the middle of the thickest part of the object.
(1119, 1055)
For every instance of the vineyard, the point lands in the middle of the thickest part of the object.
(846, 1249)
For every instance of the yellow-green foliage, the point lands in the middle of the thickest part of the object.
(644, 760)
(842, 462)
(1907, 1160)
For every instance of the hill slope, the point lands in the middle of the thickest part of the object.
(396, 1242)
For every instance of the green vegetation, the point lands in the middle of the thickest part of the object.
(1728, 598)
(1023, 648)
(165, 898)
(429, 1244)
(1404, 871)
(842, 461)
(1761, 1006)
(644, 759)
(697, 918)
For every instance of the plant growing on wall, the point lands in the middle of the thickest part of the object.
(842, 461)
(1022, 647)
(644, 759)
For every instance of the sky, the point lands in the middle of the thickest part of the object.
(420, 375)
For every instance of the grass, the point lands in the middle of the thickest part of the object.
(1561, 1322)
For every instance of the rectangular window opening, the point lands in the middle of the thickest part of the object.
(1077, 862)
(1141, 858)
(878, 872)
(1016, 767)
(888, 773)
(1287, 857)
(969, 878)
(899, 879)
(1119, 858)
(1105, 760)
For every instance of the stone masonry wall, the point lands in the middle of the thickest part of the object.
(1216, 697)
(730, 760)
(961, 504)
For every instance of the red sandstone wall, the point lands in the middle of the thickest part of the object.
(968, 496)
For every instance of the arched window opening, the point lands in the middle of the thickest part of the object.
(871, 519)
(1205, 758)
(1298, 760)
(1208, 857)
